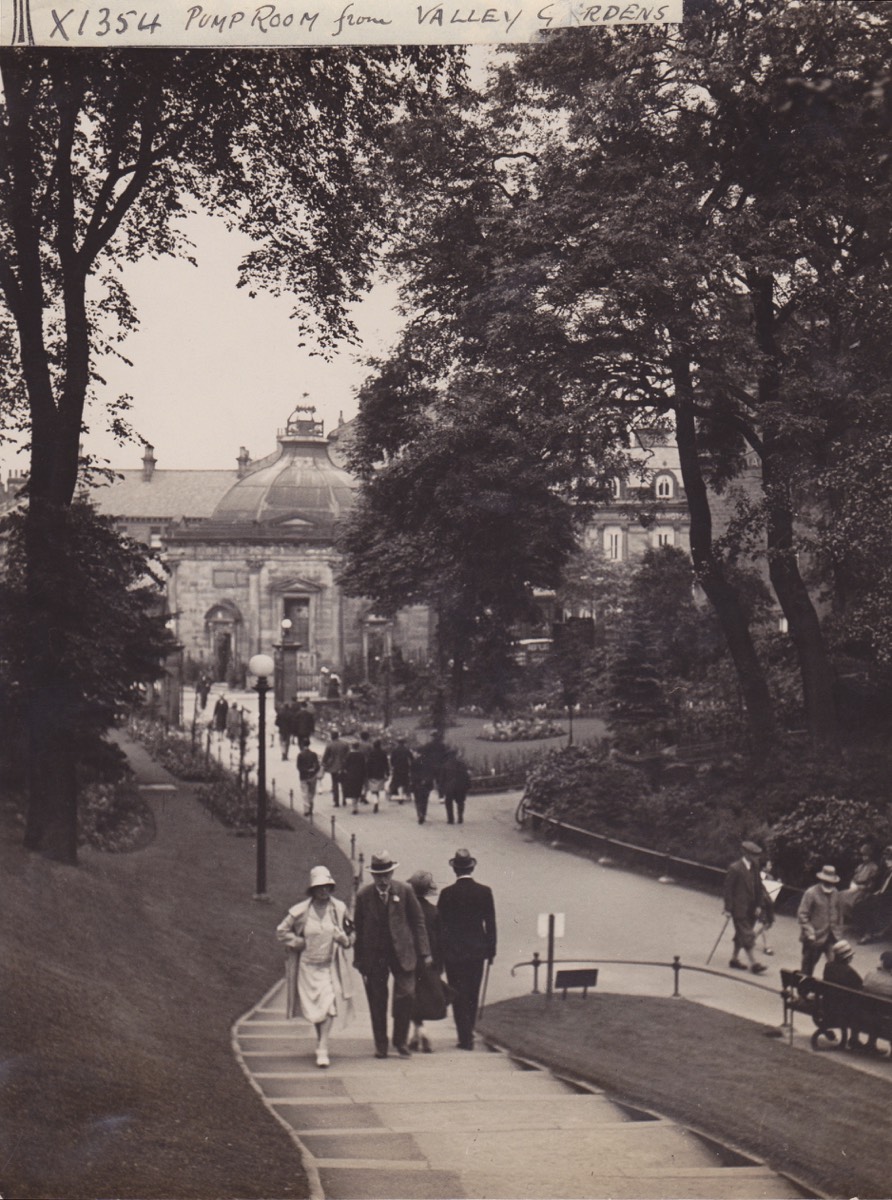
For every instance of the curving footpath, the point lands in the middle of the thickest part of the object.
(449, 1124)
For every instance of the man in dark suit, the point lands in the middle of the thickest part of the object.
(468, 938)
(391, 937)
(746, 901)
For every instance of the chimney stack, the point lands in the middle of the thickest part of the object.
(148, 463)
(244, 461)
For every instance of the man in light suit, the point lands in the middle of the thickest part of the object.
(391, 937)
(468, 939)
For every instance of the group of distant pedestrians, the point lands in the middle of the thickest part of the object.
(363, 772)
(824, 913)
(397, 934)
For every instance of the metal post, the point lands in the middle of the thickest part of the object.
(536, 965)
(262, 687)
(333, 823)
(352, 847)
(549, 986)
(676, 967)
(361, 862)
(291, 799)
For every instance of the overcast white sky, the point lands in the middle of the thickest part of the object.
(214, 370)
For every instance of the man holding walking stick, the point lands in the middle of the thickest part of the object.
(468, 940)
(746, 902)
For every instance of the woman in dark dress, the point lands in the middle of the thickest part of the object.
(430, 1004)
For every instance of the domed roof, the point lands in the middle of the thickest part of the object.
(300, 488)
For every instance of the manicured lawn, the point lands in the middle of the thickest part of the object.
(801, 1112)
(120, 981)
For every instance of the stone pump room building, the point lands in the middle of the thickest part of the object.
(252, 562)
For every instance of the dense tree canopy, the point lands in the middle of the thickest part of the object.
(650, 224)
(99, 154)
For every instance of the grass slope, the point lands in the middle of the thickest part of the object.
(821, 1121)
(120, 982)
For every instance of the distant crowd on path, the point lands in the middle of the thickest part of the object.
(396, 933)
(363, 772)
(824, 913)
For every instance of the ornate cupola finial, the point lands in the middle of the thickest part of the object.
(301, 423)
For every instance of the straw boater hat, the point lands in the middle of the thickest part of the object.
(842, 949)
(320, 877)
(382, 863)
(751, 847)
(827, 874)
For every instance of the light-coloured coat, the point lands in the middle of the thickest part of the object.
(290, 932)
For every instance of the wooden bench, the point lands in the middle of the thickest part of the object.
(584, 977)
(840, 1014)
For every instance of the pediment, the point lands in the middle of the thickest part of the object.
(295, 583)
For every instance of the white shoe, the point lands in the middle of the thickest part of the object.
(322, 1058)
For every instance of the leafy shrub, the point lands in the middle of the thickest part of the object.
(582, 786)
(114, 817)
(825, 829)
(237, 809)
(174, 752)
(520, 729)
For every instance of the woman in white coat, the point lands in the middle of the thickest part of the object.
(318, 977)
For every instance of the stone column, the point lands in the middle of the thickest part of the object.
(254, 614)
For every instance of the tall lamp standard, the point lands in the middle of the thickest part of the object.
(261, 666)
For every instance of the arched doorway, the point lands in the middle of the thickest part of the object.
(222, 626)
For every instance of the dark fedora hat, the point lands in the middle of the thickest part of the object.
(463, 861)
(382, 863)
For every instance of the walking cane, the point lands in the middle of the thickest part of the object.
(482, 1004)
(718, 939)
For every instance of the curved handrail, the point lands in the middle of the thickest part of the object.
(705, 870)
(677, 966)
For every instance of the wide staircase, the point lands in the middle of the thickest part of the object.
(453, 1124)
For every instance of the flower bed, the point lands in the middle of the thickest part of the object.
(520, 729)
(113, 817)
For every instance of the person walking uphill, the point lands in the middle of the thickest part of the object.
(746, 901)
(468, 939)
(316, 933)
(820, 918)
(391, 938)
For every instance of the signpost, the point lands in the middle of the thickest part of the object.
(550, 925)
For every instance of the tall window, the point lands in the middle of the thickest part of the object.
(613, 542)
(664, 536)
(665, 487)
(297, 610)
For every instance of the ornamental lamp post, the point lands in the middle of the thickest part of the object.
(261, 666)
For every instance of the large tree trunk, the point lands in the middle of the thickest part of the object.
(802, 620)
(55, 433)
(710, 572)
(778, 463)
(52, 801)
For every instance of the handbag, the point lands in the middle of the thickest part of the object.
(431, 998)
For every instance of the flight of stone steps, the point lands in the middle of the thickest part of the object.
(453, 1124)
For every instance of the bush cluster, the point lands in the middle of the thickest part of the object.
(797, 805)
(236, 808)
(520, 729)
(218, 790)
(825, 829)
(113, 817)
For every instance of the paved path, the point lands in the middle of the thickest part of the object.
(448, 1125)
(451, 1125)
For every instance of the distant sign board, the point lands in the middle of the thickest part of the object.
(558, 924)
